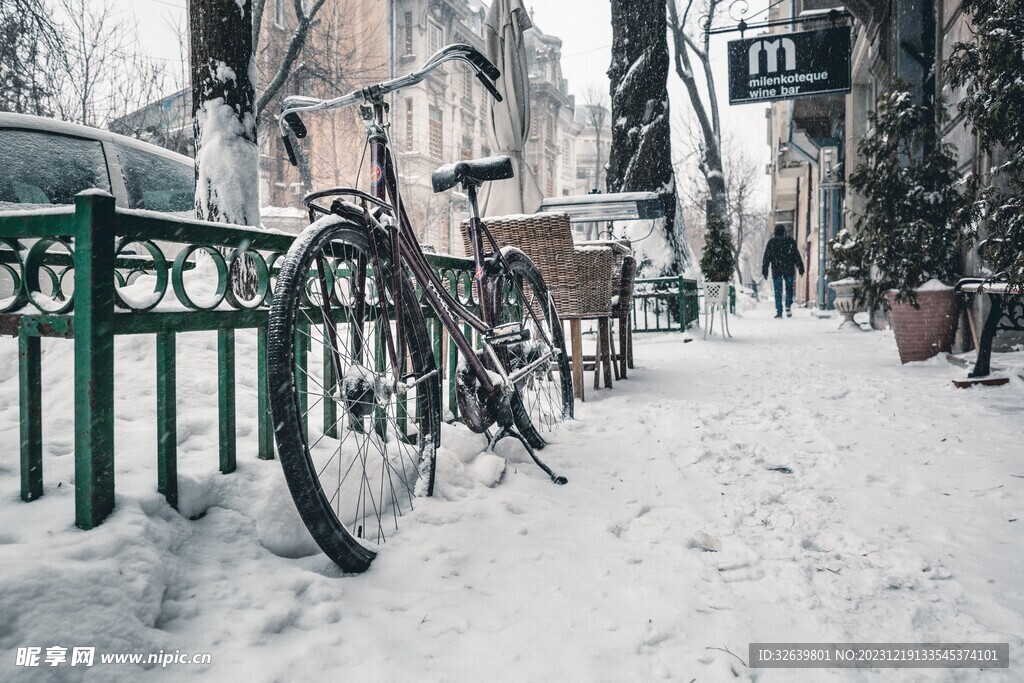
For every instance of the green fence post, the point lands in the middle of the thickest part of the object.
(167, 418)
(682, 304)
(330, 407)
(31, 395)
(94, 358)
(226, 398)
(265, 434)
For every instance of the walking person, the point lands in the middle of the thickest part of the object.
(783, 256)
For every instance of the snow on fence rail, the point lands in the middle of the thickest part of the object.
(93, 272)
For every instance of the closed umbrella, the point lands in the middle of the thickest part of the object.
(510, 119)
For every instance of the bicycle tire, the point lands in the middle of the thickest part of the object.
(544, 398)
(385, 453)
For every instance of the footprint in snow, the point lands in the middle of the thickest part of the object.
(705, 542)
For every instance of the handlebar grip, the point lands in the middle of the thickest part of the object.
(291, 151)
(490, 87)
(295, 123)
(483, 63)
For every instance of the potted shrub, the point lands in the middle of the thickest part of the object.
(908, 180)
(987, 67)
(717, 262)
(846, 273)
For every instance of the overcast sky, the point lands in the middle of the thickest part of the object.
(585, 29)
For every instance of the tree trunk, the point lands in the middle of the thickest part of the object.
(223, 111)
(641, 149)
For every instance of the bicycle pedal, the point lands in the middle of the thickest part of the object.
(509, 333)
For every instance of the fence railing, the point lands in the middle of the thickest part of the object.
(664, 304)
(69, 273)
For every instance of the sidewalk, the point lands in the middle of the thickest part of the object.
(794, 483)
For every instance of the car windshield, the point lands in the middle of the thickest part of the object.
(38, 168)
(155, 182)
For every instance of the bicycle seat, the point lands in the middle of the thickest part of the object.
(474, 172)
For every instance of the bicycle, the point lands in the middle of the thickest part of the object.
(355, 466)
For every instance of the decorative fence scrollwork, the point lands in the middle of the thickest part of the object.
(138, 273)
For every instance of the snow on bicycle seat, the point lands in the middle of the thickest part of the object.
(473, 172)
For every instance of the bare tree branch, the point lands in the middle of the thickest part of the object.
(304, 19)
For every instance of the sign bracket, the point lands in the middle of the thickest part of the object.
(833, 16)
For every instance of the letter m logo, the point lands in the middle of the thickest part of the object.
(772, 47)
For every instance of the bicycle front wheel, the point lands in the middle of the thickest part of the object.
(357, 446)
(545, 397)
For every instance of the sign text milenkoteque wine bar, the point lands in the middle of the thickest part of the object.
(782, 66)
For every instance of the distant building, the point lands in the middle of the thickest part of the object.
(551, 147)
(591, 173)
(592, 121)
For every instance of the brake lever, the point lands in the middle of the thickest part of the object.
(291, 151)
(490, 86)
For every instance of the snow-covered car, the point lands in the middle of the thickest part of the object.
(44, 162)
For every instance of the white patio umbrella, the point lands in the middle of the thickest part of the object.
(510, 119)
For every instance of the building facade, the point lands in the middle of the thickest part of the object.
(807, 169)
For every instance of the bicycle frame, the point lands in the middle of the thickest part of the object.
(405, 247)
(408, 251)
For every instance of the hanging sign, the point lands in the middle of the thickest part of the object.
(782, 66)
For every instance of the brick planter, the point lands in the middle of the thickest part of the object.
(922, 333)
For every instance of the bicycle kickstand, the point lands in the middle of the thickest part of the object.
(508, 431)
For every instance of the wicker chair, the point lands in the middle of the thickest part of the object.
(579, 278)
(622, 307)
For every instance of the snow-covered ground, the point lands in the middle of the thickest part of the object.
(794, 483)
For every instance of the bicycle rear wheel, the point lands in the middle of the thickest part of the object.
(545, 397)
(356, 447)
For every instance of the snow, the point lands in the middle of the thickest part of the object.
(649, 241)
(934, 285)
(792, 483)
(222, 150)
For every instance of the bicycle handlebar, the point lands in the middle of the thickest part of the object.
(486, 72)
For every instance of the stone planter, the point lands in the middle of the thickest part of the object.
(921, 333)
(846, 302)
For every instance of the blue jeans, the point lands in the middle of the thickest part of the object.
(790, 283)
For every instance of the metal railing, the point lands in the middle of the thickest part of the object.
(664, 304)
(67, 273)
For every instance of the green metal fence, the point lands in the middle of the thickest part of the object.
(664, 304)
(64, 271)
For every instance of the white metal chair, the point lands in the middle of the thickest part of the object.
(716, 296)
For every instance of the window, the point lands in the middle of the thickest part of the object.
(436, 134)
(467, 84)
(485, 151)
(436, 38)
(155, 182)
(279, 12)
(549, 186)
(408, 124)
(45, 168)
(467, 147)
(408, 33)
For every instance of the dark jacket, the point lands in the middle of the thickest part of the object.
(782, 255)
